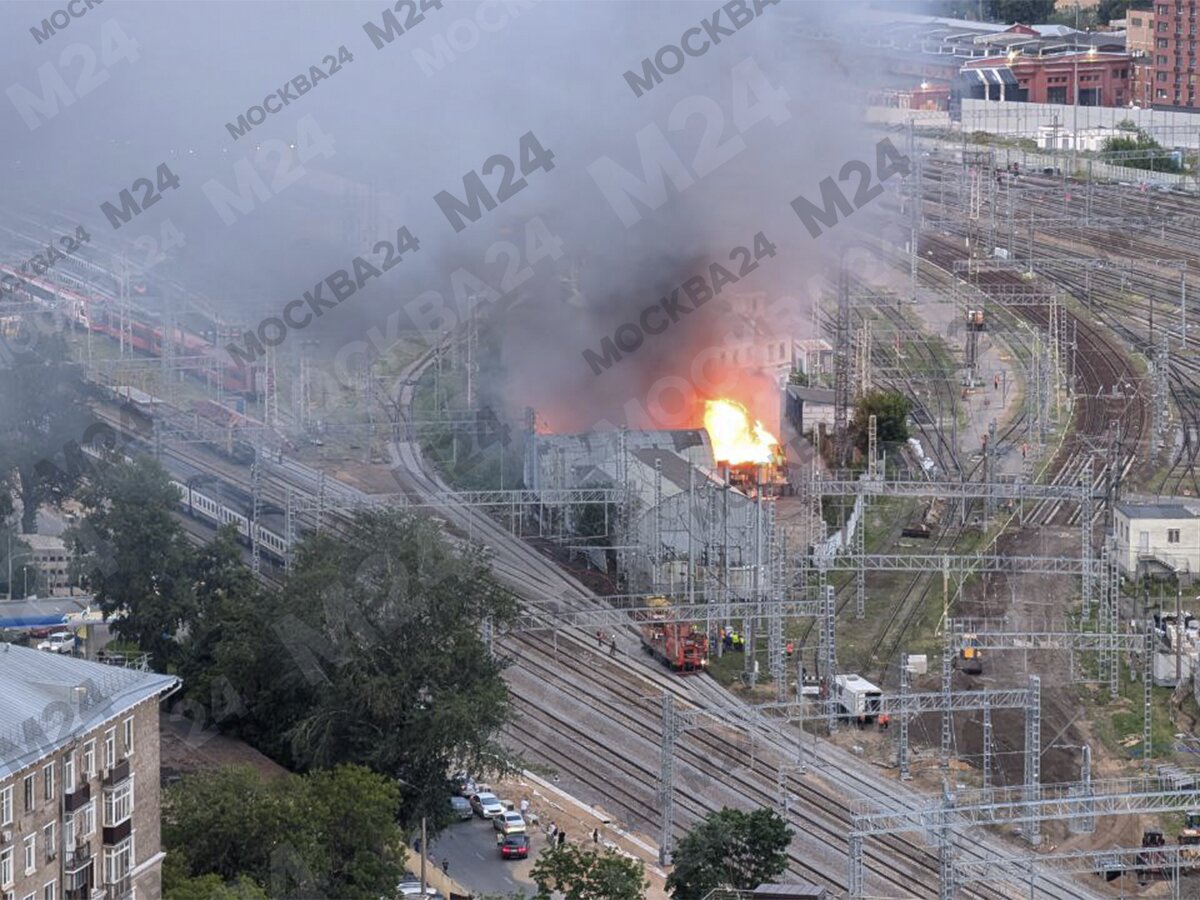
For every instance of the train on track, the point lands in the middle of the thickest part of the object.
(101, 316)
(205, 497)
(678, 645)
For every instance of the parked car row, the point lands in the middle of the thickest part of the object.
(512, 839)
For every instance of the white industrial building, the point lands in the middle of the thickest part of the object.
(1157, 538)
(679, 503)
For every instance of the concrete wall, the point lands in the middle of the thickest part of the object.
(1171, 129)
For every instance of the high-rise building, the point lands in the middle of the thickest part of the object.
(1165, 40)
(79, 778)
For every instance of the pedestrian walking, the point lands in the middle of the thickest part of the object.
(417, 845)
(599, 638)
(562, 838)
(524, 807)
(446, 865)
(612, 648)
(595, 835)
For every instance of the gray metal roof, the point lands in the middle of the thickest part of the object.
(47, 700)
(811, 394)
(1155, 511)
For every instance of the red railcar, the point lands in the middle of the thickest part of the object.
(98, 317)
(677, 644)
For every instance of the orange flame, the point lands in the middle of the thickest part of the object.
(735, 437)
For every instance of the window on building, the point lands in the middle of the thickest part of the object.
(1137, 22)
(50, 890)
(110, 748)
(30, 848)
(48, 782)
(1172, 535)
(6, 803)
(29, 897)
(1161, 76)
(89, 759)
(118, 861)
(30, 792)
(1162, 9)
(1056, 95)
(48, 840)
(1162, 60)
(87, 819)
(6, 867)
(118, 803)
(69, 772)
(127, 735)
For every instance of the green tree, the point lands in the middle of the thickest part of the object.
(579, 873)
(136, 558)
(891, 410)
(326, 834)
(1142, 143)
(730, 848)
(373, 655)
(1027, 12)
(43, 418)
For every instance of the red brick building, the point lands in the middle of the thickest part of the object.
(1102, 79)
(1164, 42)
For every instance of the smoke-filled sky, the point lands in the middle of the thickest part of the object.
(140, 84)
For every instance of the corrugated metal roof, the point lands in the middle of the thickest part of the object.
(1155, 511)
(47, 700)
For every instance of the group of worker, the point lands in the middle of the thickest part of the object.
(731, 639)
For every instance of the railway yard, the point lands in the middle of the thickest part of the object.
(1040, 326)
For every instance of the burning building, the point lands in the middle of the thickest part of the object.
(691, 492)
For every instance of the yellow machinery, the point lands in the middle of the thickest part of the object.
(970, 656)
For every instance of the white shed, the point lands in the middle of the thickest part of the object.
(1163, 537)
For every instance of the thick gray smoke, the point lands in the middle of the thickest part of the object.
(410, 119)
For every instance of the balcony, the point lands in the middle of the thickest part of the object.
(78, 798)
(114, 834)
(117, 774)
(77, 859)
(119, 890)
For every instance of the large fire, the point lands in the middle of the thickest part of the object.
(736, 438)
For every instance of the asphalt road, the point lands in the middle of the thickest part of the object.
(476, 863)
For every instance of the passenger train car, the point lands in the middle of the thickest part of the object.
(205, 497)
(101, 317)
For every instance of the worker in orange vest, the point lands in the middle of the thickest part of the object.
(884, 721)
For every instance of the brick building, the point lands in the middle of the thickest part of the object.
(1101, 78)
(1163, 40)
(79, 779)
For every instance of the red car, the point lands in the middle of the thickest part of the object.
(514, 846)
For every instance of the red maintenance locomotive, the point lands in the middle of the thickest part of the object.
(679, 645)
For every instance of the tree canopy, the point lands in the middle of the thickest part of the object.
(581, 873)
(134, 555)
(891, 410)
(372, 654)
(1141, 142)
(326, 834)
(730, 848)
(43, 419)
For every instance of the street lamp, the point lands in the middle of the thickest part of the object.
(8, 584)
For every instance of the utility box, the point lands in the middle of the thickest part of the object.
(918, 664)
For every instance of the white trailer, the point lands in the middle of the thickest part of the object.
(857, 696)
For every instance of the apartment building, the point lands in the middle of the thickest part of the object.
(1164, 38)
(79, 778)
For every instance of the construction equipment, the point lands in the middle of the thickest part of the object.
(970, 657)
(677, 644)
(1152, 861)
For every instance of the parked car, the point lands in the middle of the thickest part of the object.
(59, 642)
(461, 807)
(466, 784)
(486, 805)
(413, 889)
(509, 822)
(515, 846)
